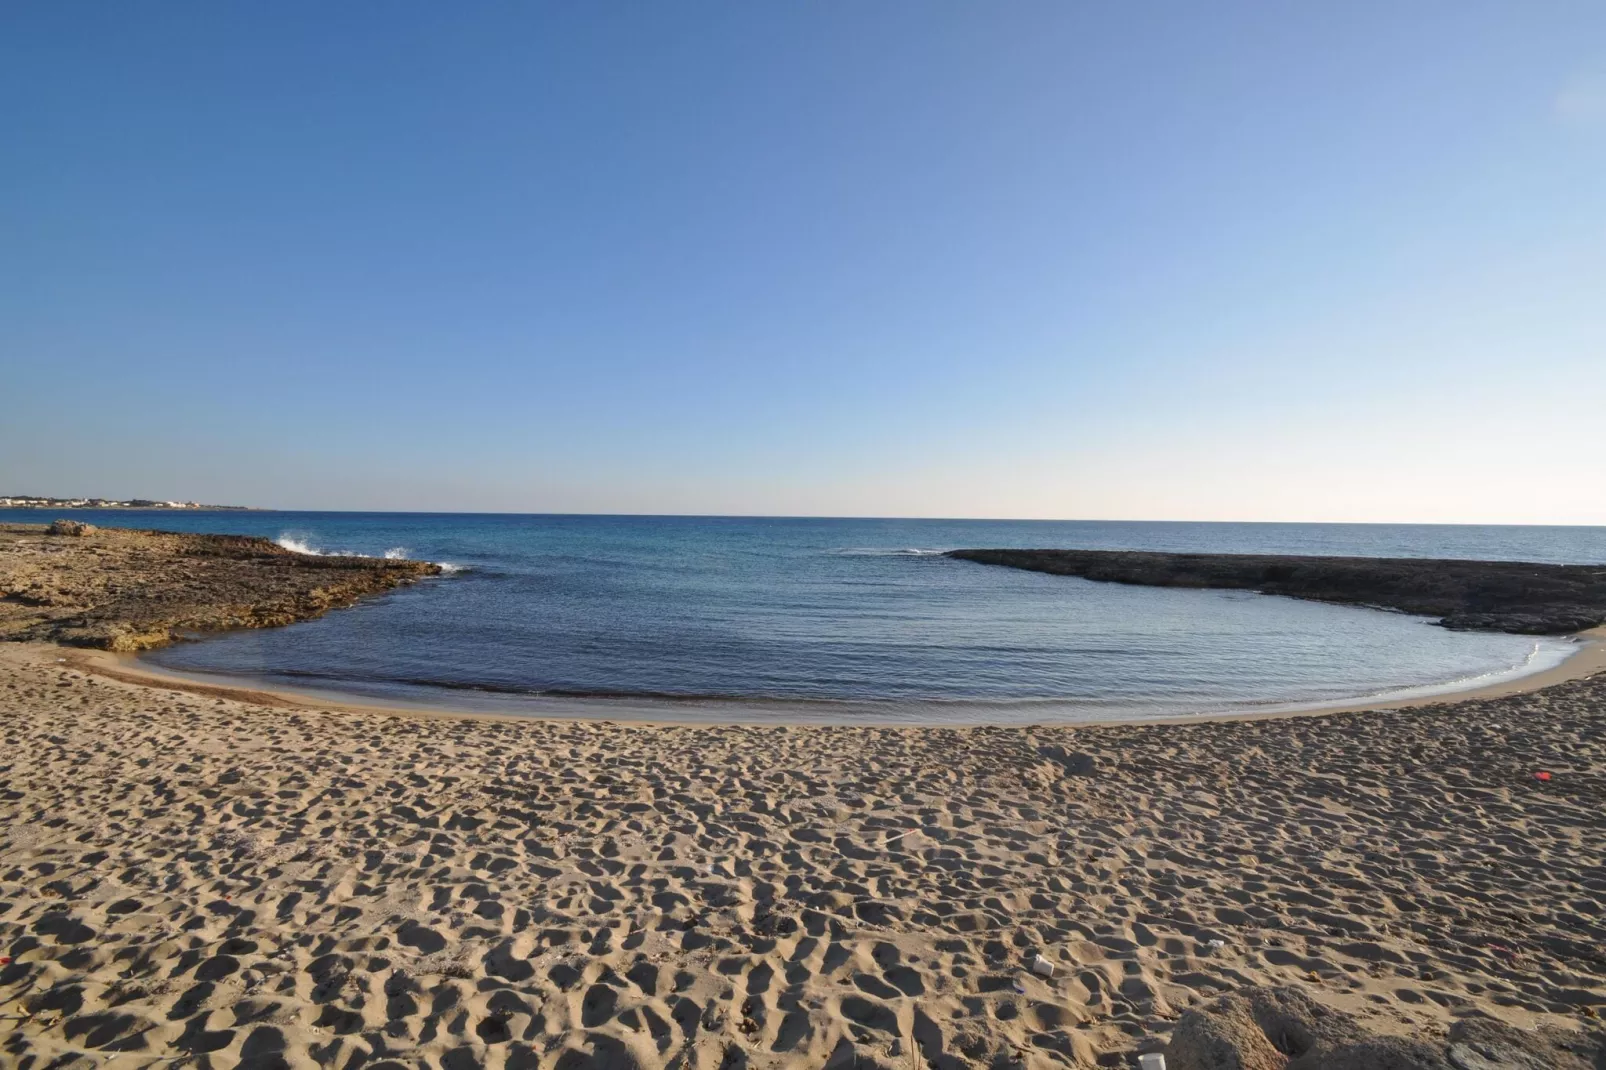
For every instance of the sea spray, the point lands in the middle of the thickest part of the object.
(297, 544)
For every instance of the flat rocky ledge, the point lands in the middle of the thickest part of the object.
(126, 590)
(1495, 596)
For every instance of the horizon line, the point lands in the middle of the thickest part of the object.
(809, 516)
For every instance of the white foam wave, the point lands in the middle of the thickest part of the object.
(879, 551)
(297, 544)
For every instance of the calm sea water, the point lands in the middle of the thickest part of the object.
(845, 619)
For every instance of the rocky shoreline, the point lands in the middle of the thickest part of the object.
(1500, 596)
(127, 590)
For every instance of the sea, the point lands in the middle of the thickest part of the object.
(741, 619)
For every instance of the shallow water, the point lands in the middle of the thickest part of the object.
(807, 619)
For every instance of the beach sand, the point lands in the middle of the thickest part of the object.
(244, 883)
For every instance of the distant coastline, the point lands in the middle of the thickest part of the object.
(34, 501)
(1520, 597)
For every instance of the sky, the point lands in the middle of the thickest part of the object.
(1227, 261)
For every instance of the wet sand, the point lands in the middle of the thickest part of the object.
(239, 882)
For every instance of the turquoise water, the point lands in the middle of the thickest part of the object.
(844, 620)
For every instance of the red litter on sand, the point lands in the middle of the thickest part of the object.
(1542, 775)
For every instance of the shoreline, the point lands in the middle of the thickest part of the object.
(57, 588)
(247, 876)
(206, 871)
(1587, 659)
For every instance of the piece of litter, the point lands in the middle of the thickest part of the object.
(1042, 966)
(1542, 775)
(1217, 943)
(1152, 1061)
(1020, 985)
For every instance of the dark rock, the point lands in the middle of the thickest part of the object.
(1259, 1029)
(1485, 1044)
(1223, 1038)
(126, 590)
(1375, 1053)
(1508, 596)
(1284, 1029)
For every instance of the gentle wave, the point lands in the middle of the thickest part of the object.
(298, 545)
(729, 612)
(558, 692)
(962, 709)
(1541, 657)
(751, 698)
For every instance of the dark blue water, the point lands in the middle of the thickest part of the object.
(845, 619)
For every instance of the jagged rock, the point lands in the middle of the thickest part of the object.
(1222, 1038)
(126, 590)
(1258, 1029)
(1485, 1044)
(1284, 1029)
(1374, 1053)
(1507, 596)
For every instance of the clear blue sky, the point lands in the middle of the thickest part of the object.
(1160, 260)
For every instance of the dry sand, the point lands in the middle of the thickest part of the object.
(191, 879)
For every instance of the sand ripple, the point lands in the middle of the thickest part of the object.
(255, 886)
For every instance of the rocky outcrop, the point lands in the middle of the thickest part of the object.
(1284, 1029)
(119, 589)
(1499, 596)
(1485, 1044)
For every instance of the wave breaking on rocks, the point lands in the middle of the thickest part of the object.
(127, 590)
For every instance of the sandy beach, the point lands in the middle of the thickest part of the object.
(816, 536)
(237, 883)
(201, 875)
